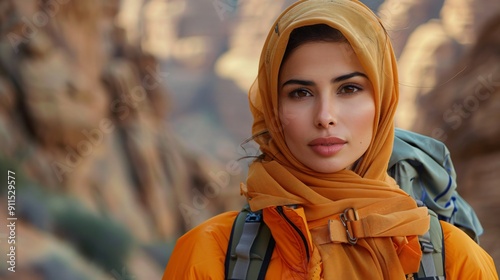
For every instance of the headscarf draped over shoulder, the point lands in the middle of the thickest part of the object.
(280, 179)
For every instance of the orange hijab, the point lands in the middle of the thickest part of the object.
(388, 217)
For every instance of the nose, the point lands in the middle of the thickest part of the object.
(325, 113)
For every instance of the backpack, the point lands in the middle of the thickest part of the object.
(421, 166)
(251, 245)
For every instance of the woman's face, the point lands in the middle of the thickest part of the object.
(326, 106)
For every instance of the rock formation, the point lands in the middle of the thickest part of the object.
(106, 186)
(434, 47)
(402, 17)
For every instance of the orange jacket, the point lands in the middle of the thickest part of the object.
(200, 253)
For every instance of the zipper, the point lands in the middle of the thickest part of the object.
(301, 234)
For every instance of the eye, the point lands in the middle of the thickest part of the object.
(349, 89)
(299, 93)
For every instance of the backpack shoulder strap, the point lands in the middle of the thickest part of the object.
(432, 265)
(250, 247)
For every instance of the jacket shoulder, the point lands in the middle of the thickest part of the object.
(201, 252)
(464, 258)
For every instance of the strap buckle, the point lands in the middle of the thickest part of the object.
(253, 217)
(344, 219)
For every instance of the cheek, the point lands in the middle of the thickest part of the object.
(293, 123)
(362, 119)
(366, 121)
(290, 116)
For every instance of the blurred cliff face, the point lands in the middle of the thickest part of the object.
(464, 19)
(402, 17)
(84, 122)
(434, 47)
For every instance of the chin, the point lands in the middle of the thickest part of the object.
(327, 170)
(328, 167)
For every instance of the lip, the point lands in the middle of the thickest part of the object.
(327, 146)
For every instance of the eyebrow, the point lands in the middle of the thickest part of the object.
(336, 80)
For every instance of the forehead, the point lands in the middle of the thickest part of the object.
(317, 52)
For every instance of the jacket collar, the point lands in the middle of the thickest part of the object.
(289, 228)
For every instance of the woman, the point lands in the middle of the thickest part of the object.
(323, 106)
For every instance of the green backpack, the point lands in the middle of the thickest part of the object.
(421, 166)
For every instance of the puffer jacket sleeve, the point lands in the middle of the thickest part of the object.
(200, 253)
(464, 258)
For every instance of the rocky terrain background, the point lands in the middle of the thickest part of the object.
(123, 120)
